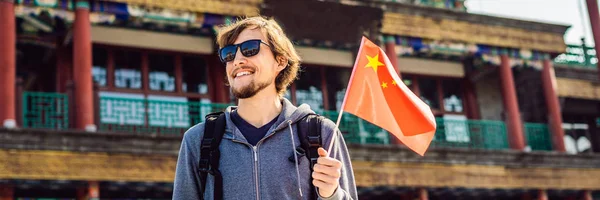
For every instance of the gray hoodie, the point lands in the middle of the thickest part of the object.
(263, 171)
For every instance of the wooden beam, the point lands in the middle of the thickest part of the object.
(64, 165)
(370, 174)
(455, 30)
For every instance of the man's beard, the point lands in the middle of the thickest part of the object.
(249, 90)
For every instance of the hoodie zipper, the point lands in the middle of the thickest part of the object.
(255, 149)
(255, 152)
(255, 158)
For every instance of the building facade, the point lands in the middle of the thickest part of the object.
(95, 96)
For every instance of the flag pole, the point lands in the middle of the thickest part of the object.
(337, 124)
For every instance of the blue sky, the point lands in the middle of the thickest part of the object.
(564, 12)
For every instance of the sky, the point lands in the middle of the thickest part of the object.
(563, 12)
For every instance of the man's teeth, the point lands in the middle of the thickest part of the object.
(242, 74)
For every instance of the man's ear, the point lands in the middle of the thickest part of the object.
(281, 62)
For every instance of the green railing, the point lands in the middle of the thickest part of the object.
(169, 117)
(152, 116)
(578, 57)
(538, 137)
(480, 134)
(45, 110)
(358, 131)
(475, 134)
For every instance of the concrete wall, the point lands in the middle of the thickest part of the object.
(489, 98)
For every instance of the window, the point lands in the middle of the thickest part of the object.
(308, 88)
(161, 72)
(99, 65)
(128, 65)
(337, 81)
(453, 101)
(443, 95)
(428, 89)
(194, 78)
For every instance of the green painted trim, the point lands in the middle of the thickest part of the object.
(82, 5)
(389, 39)
(161, 18)
(502, 51)
(546, 56)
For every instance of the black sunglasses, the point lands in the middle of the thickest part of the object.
(248, 48)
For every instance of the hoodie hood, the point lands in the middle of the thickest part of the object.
(289, 112)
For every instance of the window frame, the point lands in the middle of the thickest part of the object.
(145, 69)
(440, 92)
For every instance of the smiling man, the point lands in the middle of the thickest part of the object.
(260, 155)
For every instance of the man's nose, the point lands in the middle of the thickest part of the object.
(239, 58)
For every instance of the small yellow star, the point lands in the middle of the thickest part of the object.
(374, 62)
(384, 85)
(394, 82)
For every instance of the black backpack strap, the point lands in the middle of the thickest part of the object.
(214, 128)
(309, 132)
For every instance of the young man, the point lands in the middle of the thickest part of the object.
(261, 134)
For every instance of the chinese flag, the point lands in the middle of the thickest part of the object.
(377, 94)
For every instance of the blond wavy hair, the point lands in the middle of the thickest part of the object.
(281, 46)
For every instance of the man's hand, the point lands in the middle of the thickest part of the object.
(326, 175)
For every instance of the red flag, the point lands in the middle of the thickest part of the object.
(377, 94)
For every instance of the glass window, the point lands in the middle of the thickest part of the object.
(161, 73)
(337, 81)
(194, 75)
(429, 92)
(452, 96)
(99, 64)
(128, 65)
(308, 88)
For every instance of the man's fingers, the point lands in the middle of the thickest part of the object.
(329, 162)
(324, 177)
(331, 171)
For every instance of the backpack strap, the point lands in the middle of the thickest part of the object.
(309, 133)
(214, 128)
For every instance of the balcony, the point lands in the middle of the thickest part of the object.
(173, 118)
(577, 56)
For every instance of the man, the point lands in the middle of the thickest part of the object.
(261, 132)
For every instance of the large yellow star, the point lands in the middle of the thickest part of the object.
(374, 62)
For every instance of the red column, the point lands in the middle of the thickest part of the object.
(554, 116)
(91, 192)
(587, 195)
(216, 77)
(423, 194)
(6, 192)
(82, 68)
(390, 50)
(511, 107)
(471, 100)
(178, 74)
(8, 45)
(592, 7)
(542, 195)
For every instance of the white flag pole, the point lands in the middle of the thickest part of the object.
(337, 124)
